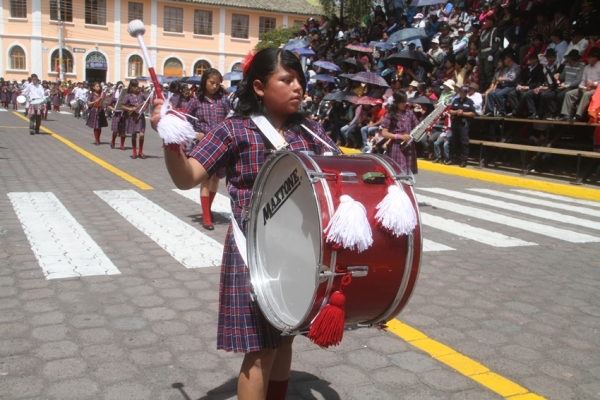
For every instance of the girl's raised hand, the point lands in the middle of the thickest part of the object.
(155, 117)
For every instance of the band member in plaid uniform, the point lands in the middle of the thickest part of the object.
(117, 122)
(210, 107)
(397, 125)
(273, 85)
(135, 122)
(55, 98)
(96, 116)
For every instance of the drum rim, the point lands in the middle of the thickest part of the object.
(259, 289)
(39, 101)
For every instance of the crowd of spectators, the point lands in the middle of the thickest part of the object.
(534, 59)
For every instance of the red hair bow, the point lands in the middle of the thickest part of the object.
(247, 61)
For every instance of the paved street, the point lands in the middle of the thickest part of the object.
(110, 291)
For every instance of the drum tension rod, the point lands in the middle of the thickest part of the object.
(357, 271)
(347, 177)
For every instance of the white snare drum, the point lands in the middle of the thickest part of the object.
(21, 99)
(294, 271)
(74, 103)
(37, 103)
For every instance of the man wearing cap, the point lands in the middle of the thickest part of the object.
(461, 109)
(444, 38)
(435, 54)
(525, 93)
(506, 82)
(579, 42)
(567, 80)
(418, 21)
(585, 91)
(489, 46)
(460, 46)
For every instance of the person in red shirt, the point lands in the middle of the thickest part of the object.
(377, 114)
(594, 42)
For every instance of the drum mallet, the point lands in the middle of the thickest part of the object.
(173, 128)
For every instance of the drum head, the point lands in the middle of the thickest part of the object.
(284, 241)
(36, 102)
(21, 99)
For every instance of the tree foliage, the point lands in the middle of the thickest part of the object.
(352, 11)
(276, 37)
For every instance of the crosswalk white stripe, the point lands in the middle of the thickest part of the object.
(557, 197)
(61, 245)
(430, 245)
(535, 212)
(221, 204)
(186, 244)
(539, 202)
(470, 232)
(541, 229)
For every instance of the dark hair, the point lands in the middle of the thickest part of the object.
(399, 97)
(264, 64)
(461, 61)
(174, 87)
(202, 89)
(132, 83)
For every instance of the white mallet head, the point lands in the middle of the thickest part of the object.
(136, 28)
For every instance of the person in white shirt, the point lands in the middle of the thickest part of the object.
(80, 94)
(34, 91)
(559, 45)
(578, 43)
(418, 21)
(476, 97)
(587, 88)
(460, 45)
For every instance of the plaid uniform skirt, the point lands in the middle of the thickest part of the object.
(242, 327)
(117, 123)
(407, 158)
(132, 126)
(96, 118)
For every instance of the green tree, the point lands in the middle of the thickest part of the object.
(350, 11)
(276, 37)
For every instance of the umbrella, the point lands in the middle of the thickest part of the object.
(172, 79)
(161, 78)
(194, 80)
(347, 76)
(295, 44)
(381, 45)
(423, 100)
(364, 100)
(406, 35)
(369, 77)
(352, 61)
(365, 48)
(327, 65)
(340, 95)
(233, 76)
(231, 89)
(405, 58)
(323, 77)
(303, 52)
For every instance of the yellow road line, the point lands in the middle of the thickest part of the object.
(550, 187)
(120, 173)
(463, 364)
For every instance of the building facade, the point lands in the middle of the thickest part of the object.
(183, 37)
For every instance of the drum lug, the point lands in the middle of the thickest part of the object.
(357, 271)
(408, 179)
(349, 177)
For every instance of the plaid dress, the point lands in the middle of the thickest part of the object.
(407, 157)
(210, 114)
(134, 122)
(117, 122)
(237, 146)
(96, 116)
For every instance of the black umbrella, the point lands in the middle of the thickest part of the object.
(423, 100)
(352, 61)
(340, 95)
(405, 58)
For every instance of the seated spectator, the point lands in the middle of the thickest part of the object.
(560, 23)
(538, 47)
(318, 108)
(447, 92)
(517, 33)
(579, 42)
(525, 93)
(460, 46)
(476, 97)
(414, 73)
(570, 77)
(594, 41)
(435, 54)
(585, 91)
(418, 21)
(444, 38)
(412, 89)
(460, 71)
(558, 45)
(541, 30)
(505, 83)
(472, 73)
(374, 123)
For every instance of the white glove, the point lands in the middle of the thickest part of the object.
(490, 58)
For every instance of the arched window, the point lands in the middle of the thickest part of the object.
(67, 60)
(237, 67)
(200, 67)
(17, 58)
(135, 66)
(173, 67)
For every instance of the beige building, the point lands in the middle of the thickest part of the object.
(183, 37)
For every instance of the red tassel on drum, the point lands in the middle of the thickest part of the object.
(327, 329)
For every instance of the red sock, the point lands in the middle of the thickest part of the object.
(277, 390)
(205, 202)
(122, 143)
(141, 145)
(96, 136)
(211, 196)
(99, 133)
(114, 137)
(134, 145)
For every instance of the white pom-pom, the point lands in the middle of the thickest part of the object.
(349, 226)
(173, 128)
(396, 212)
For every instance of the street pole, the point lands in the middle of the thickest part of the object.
(61, 64)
